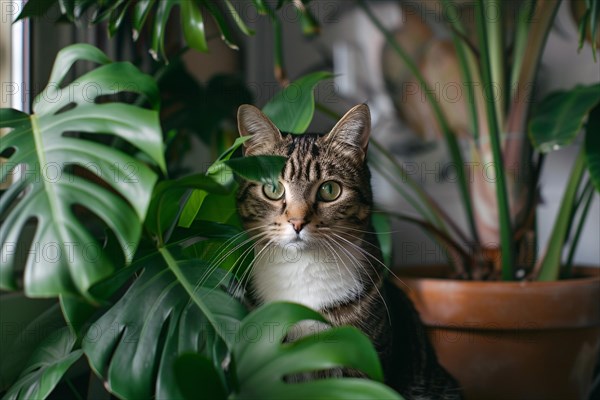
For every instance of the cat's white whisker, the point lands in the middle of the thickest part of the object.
(217, 261)
(337, 260)
(370, 278)
(366, 253)
(257, 258)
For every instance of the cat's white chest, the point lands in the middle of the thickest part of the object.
(314, 277)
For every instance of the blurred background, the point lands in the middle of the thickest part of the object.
(365, 68)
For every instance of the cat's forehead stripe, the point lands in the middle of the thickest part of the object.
(302, 164)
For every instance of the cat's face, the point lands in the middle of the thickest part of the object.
(323, 193)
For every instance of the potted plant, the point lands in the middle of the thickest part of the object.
(92, 218)
(508, 321)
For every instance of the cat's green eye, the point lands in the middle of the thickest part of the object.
(329, 191)
(273, 191)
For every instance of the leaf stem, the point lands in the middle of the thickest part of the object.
(549, 266)
(506, 237)
(588, 196)
(191, 291)
(465, 62)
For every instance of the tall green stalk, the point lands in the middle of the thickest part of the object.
(506, 241)
(465, 63)
(587, 197)
(495, 48)
(549, 267)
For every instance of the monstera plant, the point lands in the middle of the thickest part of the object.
(91, 218)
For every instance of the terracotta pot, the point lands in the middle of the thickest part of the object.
(512, 340)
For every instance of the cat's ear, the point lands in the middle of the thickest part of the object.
(353, 130)
(263, 133)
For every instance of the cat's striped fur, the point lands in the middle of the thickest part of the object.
(324, 254)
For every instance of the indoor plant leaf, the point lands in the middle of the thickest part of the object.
(262, 360)
(196, 198)
(257, 168)
(110, 184)
(20, 317)
(193, 26)
(194, 371)
(264, 169)
(292, 109)
(592, 146)
(47, 365)
(35, 8)
(169, 199)
(558, 118)
(153, 323)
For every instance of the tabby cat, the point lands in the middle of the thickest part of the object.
(315, 246)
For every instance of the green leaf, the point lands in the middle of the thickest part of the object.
(108, 183)
(193, 26)
(266, 169)
(558, 118)
(551, 261)
(219, 209)
(310, 25)
(20, 316)
(116, 17)
(35, 8)
(257, 168)
(141, 10)
(194, 371)
(169, 199)
(262, 361)
(238, 19)
(134, 344)
(192, 22)
(292, 109)
(47, 365)
(260, 6)
(67, 8)
(383, 227)
(217, 16)
(196, 198)
(161, 17)
(592, 146)
(191, 208)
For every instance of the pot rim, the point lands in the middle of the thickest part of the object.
(501, 305)
(419, 273)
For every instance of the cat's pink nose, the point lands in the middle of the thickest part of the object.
(297, 224)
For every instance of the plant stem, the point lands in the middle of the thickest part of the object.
(279, 59)
(520, 42)
(449, 136)
(465, 62)
(495, 48)
(587, 196)
(459, 257)
(506, 238)
(532, 32)
(191, 291)
(549, 267)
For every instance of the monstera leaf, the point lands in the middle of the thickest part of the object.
(47, 365)
(134, 344)
(262, 361)
(63, 166)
